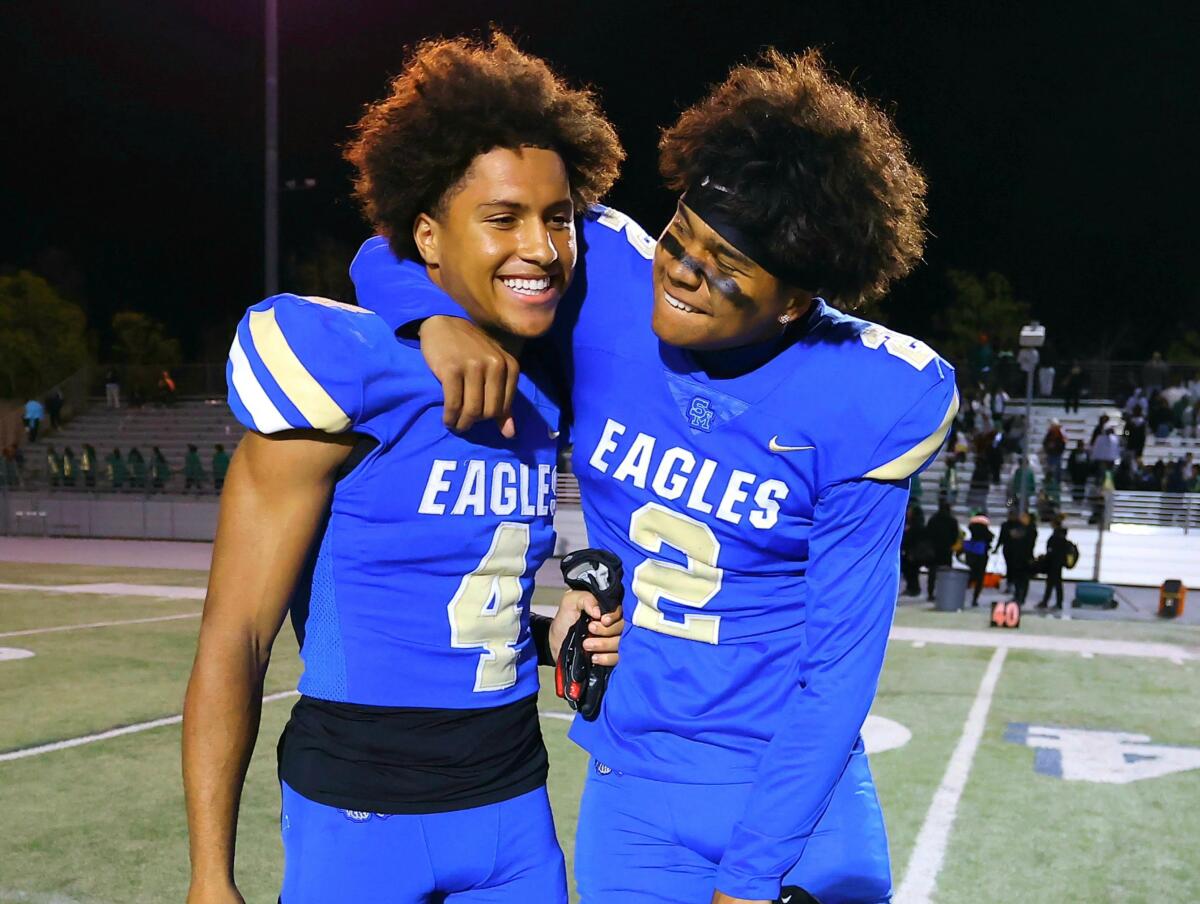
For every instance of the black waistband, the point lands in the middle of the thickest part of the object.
(411, 760)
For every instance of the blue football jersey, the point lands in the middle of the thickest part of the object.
(759, 521)
(420, 585)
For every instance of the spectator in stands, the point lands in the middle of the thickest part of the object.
(160, 470)
(977, 494)
(1137, 399)
(1023, 485)
(53, 467)
(112, 389)
(220, 465)
(1189, 420)
(34, 412)
(1009, 524)
(1106, 451)
(1054, 444)
(166, 388)
(87, 465)
(69, 469)
(948, 482)
(54, 407)
(1101, 423)
(975, 552)
(1125, 476)
(1176, 481)
(995, 453)
(193, 470)
(117, 471)
(137, 468)
(1154, 373)
(1073, 388)
(1194, 485)
(998, 403)
(941, 531)
(1057, 549)
(1154, 480)
(914, 549)
(1159, 416)
(1018, 548)
(1079, 465)
(1135, 433)
(12, 476)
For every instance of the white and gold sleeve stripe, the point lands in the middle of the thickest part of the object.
(302, 390)
(266, 416)
(905, 465)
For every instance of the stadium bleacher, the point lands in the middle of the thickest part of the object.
(203, 423)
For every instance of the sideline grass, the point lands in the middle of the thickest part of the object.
(103, 823)
(22, 573)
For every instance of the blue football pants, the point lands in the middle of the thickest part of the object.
(642, 841)
(504, 853)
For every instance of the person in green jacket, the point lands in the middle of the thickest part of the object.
(117, 472)
(1023, 484)
(220, 464)
(69, 467)
(137, 468)
(87, 465)
(53, 467)
(193, 470)
(160, 470)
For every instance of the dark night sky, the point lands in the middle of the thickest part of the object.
(1059, 138)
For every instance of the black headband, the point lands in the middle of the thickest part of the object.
(707, 201)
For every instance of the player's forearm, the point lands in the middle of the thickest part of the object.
(220, 725)
(853, 581)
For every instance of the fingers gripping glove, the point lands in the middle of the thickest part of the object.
(576, 679)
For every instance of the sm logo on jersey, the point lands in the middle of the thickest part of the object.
(701, 414)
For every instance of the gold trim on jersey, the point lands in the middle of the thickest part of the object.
(905, 465)
(301, 388)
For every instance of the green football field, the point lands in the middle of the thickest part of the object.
(1061, 768)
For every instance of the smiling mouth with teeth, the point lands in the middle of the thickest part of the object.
(679, 305)
(528, 286)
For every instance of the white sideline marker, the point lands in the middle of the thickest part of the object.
(930, 850)
(99, 624)
(162, 723)
(113, 733)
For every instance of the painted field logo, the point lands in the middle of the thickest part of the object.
(1109, 757)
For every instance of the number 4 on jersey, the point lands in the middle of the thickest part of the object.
(486, 612)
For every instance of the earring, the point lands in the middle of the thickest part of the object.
(785, 319)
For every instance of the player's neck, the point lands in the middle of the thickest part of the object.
(727, 363)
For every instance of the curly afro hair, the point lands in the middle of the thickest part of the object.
(816, 170)
(456, 99)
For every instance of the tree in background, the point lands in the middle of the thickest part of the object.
(323, 270)
(979, 306)
(142, 349)
(42, 338)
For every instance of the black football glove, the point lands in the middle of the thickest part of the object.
(576, 679)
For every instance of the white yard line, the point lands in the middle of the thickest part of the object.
(159, 591)
(1015, 640)
(930, 850)
(99, 624)
(162, 723)
(112, 733)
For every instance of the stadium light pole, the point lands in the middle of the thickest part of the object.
(271, 182)
(1033, 337)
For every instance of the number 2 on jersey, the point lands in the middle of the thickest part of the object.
(692, 585)
(486, 612)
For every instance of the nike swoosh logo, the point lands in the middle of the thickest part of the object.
(774, 446)
(789, 897)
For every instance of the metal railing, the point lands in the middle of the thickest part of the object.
(1158, 509)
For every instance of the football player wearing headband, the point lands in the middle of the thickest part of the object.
(744, 446)
(412, 768)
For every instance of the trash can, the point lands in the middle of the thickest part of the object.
(951, 590)
(1170, 599)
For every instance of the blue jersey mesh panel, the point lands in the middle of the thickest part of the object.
(324, 660)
